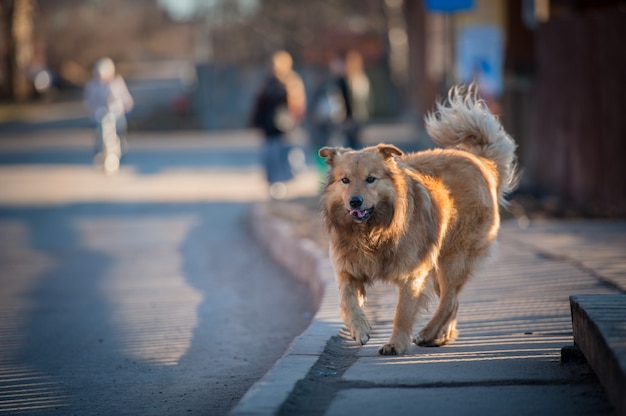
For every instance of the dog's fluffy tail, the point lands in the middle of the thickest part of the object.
(465, 121)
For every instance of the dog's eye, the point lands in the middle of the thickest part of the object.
(345, 180)
(370, 179)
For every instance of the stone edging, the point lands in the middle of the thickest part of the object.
(305, 261)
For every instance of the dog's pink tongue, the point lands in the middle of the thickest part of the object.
(358, 213)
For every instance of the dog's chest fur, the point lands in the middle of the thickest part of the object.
(369, 256)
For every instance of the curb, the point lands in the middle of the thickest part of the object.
(306, 262)
(598, 326)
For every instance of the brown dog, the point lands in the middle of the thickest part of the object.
(423, 221)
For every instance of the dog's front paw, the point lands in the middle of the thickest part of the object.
(398, 344)
(391, 349)
(361, 333)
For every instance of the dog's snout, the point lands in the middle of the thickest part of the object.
(356, 202)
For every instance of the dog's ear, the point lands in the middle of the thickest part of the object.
(388, 151)
(329, 153)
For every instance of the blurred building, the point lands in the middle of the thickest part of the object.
(558, 83)
(553, 70)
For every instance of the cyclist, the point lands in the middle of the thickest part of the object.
(108, 100)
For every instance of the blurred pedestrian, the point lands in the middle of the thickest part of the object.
(328, 110)
(359, 96)
(328, 105)
(106, 96)
(279, 108)
(341, 104)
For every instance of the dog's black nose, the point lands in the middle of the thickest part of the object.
(356, 202)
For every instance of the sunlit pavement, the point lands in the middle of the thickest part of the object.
(138, 292)
(55, 168)
(81, 336)
(514, 318)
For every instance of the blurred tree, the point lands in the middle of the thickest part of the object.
(16, 49)
(77, 33)
(246, 35)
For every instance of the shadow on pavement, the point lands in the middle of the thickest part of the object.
(138, 308)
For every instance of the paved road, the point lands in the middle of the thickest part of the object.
(140, 293)
(514, 318)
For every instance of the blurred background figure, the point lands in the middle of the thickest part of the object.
(278, 110)
(341, 104)
(108, 100)
(359, 97)
(329, 109)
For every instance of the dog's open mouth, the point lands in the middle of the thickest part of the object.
(361, 215)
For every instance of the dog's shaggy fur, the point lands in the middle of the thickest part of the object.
(423, 221)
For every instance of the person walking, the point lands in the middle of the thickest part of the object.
(278, 109)
(359, 96)
(106, 97)
(341, 104)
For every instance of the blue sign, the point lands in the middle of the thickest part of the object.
(480, 58)
(447, 6)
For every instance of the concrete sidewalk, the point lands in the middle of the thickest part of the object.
(514, 318)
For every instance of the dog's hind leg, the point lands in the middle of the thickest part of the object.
(351, 299)
(441, 329)
(412, 298)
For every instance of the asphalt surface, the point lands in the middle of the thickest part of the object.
(514, 323)
(141, 292)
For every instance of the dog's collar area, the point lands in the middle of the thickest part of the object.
(361, 215)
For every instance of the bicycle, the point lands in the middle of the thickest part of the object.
(110, 143)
